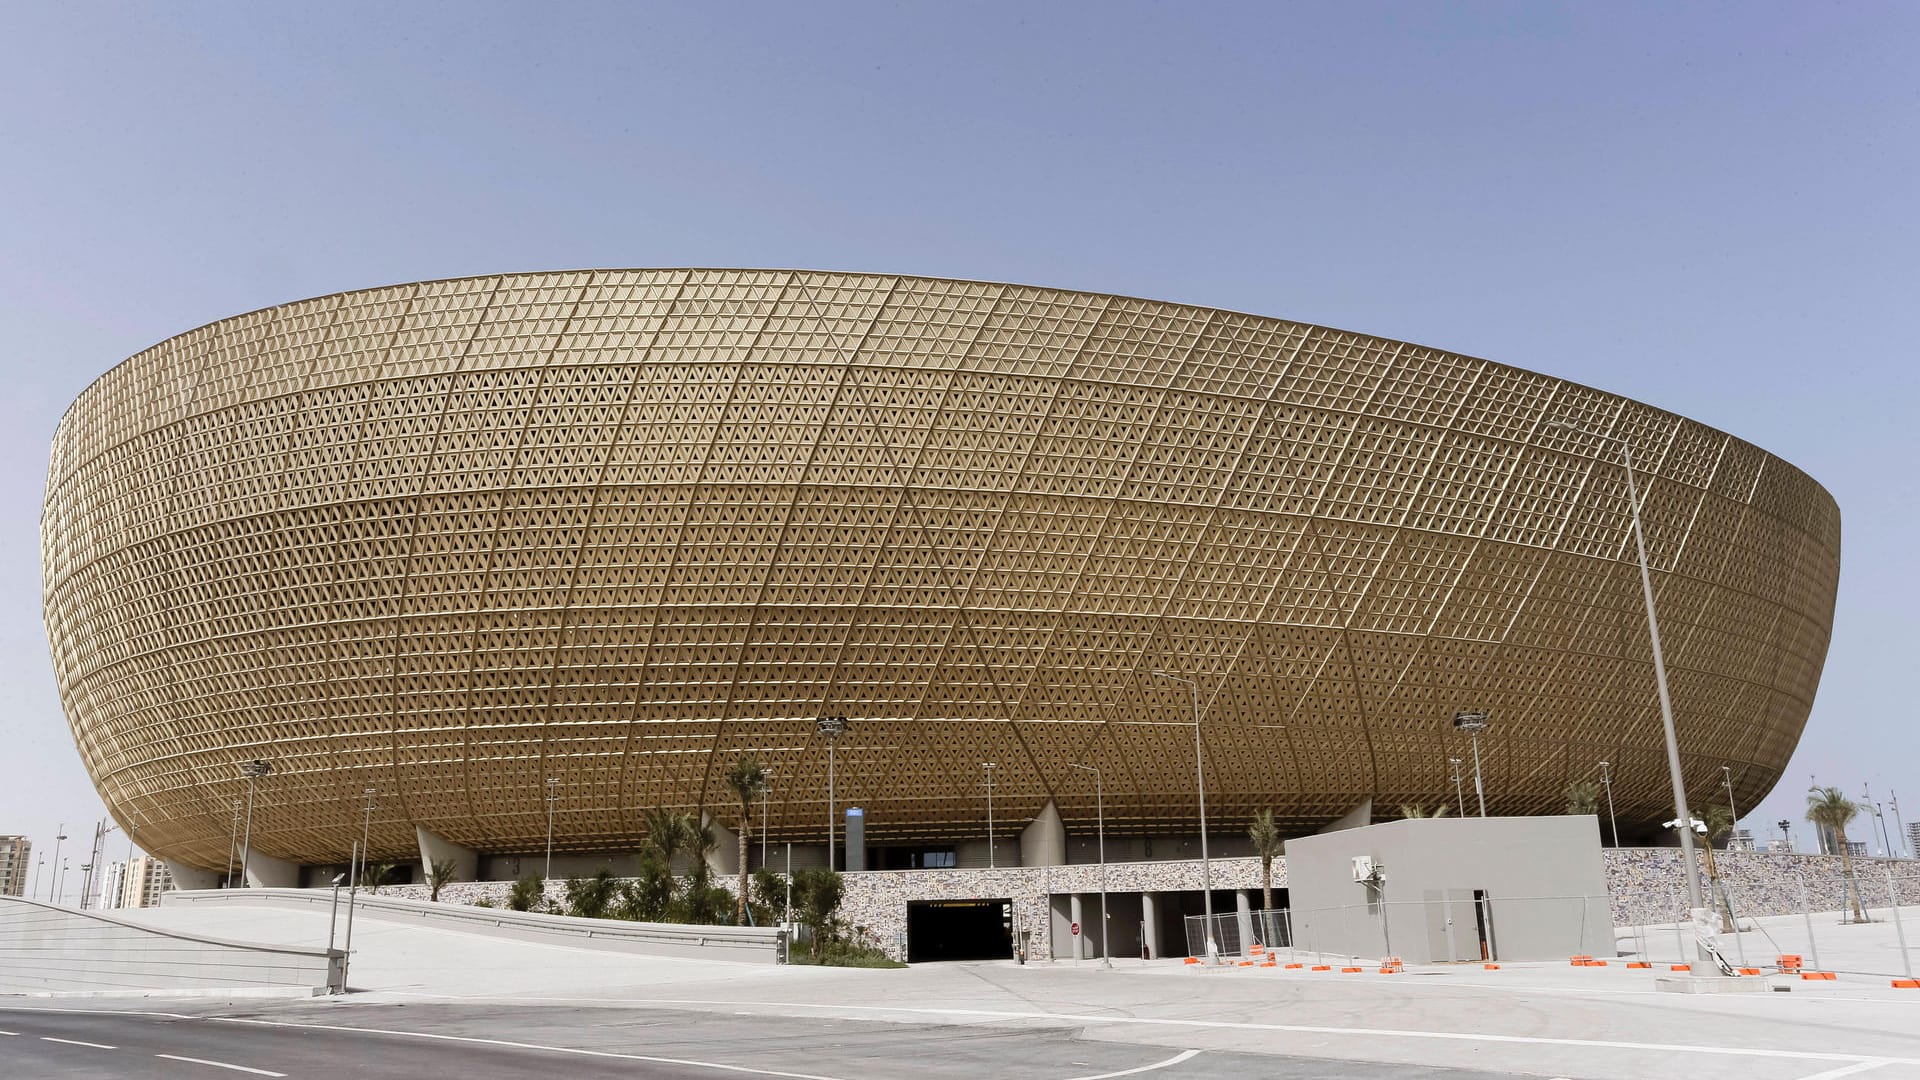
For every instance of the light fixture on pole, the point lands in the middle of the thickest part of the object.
(832, 727)
(1200, 781)
(1899, 827)
(987, 767)
(353, 894)
(553, 796)
(1694, 902)
(1100, 815)
(1473, 723)
(1606, 781)
(253, 770)
(1786, 833)
(1726, 780)
(333, 917)
(1459, 796)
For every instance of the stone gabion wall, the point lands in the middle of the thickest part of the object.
(1645, 885)
(1648, 885)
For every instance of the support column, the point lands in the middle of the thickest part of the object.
(1044, 843)
(724, 859)
(1073, 916)
(267, 872)
(436, 848)
(192, 877)
(1243, 915)
(1150, 925)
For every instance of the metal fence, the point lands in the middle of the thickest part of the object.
(1453, 928)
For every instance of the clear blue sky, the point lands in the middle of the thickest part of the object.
(1707, 207)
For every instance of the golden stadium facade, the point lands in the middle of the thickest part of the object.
(450, 539)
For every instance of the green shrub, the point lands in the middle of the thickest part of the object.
(528, 893)
(590, 898)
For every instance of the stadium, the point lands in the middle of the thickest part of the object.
(618, 529)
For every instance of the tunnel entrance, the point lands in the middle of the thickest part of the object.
(959, 930)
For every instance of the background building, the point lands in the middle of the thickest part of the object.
(16, 864)
(618, 529)
(113, 885)
(143, 878)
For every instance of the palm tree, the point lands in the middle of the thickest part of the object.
(666, 834)
(439, 873)
(1831, 810)
(1415, 810)
(747, 778)
(1583, 797)
(1718, 822)
(1267, 844)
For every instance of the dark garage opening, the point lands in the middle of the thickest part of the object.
(959, 930)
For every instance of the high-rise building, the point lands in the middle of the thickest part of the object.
(1913, 839)
(112, 885)
(145, 879)
(16, 861)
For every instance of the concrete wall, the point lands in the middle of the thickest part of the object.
(1543, 879)
(48, 949)
(744, 944)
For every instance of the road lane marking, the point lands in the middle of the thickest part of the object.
(221, 1065)
(1174, 1060)
(1322, 1029)
(9, 1033)
(77, 1042)
(1848, 1070)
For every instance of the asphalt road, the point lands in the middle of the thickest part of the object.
(494, 1042)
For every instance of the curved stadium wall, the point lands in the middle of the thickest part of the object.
(449, 539)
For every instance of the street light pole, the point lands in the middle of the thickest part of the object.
(1100, 812)
(366, 831)
(764, 788)
(254, 770)
(1682, 814)
(1900, 827)
(233, 841)
(553, 794)
(1200, 781)
(53, 889)
(832, 727)
(1473, 723)
(1606, 781)
(1459, 793)
(987, 767)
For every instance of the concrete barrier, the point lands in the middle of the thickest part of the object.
(741, 944)
(47, 949)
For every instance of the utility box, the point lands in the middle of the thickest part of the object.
(856, 839)
(1437, 890)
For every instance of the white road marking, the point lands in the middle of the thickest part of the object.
(1848, 1070)
(220, 1065)
(1174, 1060)
(77, 1042)
(1321, 1029)
(9, 1033)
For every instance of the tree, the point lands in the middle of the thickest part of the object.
(1268, 844)
(377, 873)
(747, 778)
(819, 892)
(1583, 797)
(667, 834)
(527, 893)
(1829, 809)
(648, 896)
(438, 875)
(1718, 822)
(1415, 810)
(701, 902)
(590, 898)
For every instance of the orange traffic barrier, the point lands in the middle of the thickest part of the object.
(1389, 970)
(1270, 963)
(1191, 960)
(1749, 971)
(1579, 960)
(1788, 962)
(1906, 984)
(1293, 967)
(1349, 971)
(1491, 967)
(1638, 964)
(1257, 950)
(1827, 976)
(1680, 967)
(1244, 963)
(1323, 967)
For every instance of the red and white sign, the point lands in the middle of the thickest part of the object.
(1076, 929)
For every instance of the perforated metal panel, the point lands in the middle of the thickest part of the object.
(449, 539)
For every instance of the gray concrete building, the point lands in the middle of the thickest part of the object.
(16, 862)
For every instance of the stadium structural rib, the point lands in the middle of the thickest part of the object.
(620, 527)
